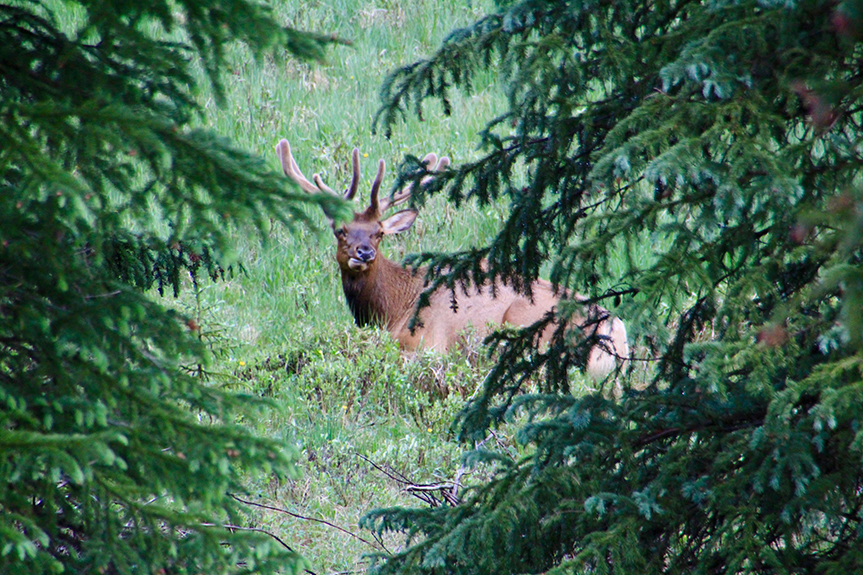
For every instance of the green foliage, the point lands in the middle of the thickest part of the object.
(372, 428)
(115, 459)
(365, 373)
(726, 137)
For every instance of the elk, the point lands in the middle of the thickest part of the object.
(381, 292)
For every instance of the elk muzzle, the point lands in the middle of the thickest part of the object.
(362, 257)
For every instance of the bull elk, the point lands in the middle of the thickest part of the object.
(380, 292)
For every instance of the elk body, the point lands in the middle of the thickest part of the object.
(381, 292)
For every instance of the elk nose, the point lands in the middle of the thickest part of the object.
(365, 253)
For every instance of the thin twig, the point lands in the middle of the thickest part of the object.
(258, 530)
(379, 539)
(423, 492)
(746, 421)
(443, 488)
(304, 518)
(391, 473)
(254, 530)
(401, 479)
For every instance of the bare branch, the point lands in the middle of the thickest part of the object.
(304, 518)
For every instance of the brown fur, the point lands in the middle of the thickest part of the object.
(380, 292)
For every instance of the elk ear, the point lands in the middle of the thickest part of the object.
(399, 221)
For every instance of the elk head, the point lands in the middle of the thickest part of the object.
(358, 240)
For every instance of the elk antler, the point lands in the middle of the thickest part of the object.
(292, 170)
(374, 204)
(432, 164)
(351, 191)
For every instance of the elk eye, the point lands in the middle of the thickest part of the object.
(340, 233)
(380, 234)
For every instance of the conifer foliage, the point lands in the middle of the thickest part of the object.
(114, 459)
(696, 167)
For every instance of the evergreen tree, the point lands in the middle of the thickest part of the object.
(114, 458)
(715, 148)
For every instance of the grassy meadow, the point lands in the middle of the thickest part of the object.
(368, 424)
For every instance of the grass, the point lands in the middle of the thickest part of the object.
(369, 423)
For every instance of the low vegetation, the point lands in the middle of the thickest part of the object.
(373, 427)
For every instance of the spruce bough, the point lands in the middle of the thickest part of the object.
(714, 149)
(115, 458)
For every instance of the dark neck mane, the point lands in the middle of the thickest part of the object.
(383, 294)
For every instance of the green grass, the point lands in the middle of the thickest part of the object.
(368, 422)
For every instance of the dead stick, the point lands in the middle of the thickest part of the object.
(304, 518)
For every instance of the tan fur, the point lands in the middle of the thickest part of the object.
(380, 292)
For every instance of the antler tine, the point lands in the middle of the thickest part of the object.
(432, 164)
(355, 178)
(320, 183)
(441, 165)
(429, 161)
(374, 204)
(292, 170)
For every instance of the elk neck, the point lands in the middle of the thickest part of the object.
(382, 294)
